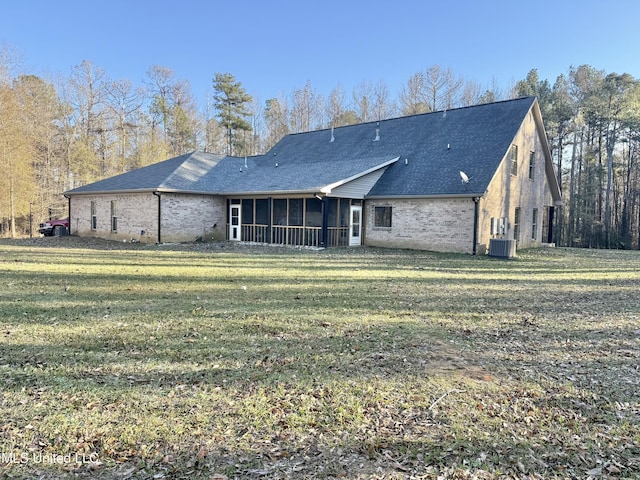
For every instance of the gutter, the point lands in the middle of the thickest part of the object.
(476, 214)
(158, 194)
(428, 196)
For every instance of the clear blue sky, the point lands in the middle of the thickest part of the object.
(275, 46)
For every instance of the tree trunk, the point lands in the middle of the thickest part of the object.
(572, 189)
(607, 210)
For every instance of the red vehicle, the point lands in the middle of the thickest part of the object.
(54, 227)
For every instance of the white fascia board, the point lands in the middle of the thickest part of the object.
(327, 189)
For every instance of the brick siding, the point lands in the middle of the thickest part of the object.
(441, 225)
(185, 218)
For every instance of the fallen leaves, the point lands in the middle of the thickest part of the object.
(394, 365)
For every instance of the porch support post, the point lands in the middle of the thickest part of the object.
(324, 233)
(269, 221)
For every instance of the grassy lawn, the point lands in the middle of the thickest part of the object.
(214, 362)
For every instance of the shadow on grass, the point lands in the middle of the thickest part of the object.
(326, 365)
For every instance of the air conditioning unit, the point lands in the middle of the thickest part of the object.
(502, 248)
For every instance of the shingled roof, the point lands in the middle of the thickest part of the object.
(431, 148)
(186, 173)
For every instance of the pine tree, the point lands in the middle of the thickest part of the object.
(231, 101)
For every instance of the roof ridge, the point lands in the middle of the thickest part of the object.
(464, 107)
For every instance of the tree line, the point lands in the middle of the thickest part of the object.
(59, 135)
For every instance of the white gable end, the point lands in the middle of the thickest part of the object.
(359, 187)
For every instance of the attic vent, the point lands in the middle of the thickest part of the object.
(377, 139)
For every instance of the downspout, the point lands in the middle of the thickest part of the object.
(476, 214)
(68, 211)
(157, 194)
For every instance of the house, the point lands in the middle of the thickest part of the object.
(445, 181)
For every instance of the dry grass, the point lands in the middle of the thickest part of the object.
(220, 361)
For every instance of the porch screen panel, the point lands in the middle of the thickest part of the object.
(279, 221)
(262, 211)
(280, 212)
(295, 211)
(344, 213)
(332, 220)
(247, 211)
(313, 216)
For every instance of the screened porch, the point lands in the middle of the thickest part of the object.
(302, 221)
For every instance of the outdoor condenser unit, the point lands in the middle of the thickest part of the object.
(502, 248)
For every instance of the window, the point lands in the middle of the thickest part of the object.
(531, 165)
(114, 216)
(534, 224)
(514, 160)
(94, 217)
(382, 217)
(516, 224)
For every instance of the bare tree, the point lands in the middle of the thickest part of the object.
(336, 107)
(383, 107)
(86, 93)
(306, 109)
(124, 102)
(184, 123)
(159, 81)
(363, 101)
(442, 88)
(412, 96)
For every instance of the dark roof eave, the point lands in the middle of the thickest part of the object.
(110, 192)
(271, 192)
(141, 190)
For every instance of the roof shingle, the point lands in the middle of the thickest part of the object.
(433, 148)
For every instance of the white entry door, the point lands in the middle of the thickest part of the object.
(355, 235)
(235, 226)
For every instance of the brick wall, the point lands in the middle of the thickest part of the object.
(507, 192)
(184, 217)
(188, 217)
(441, 225)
